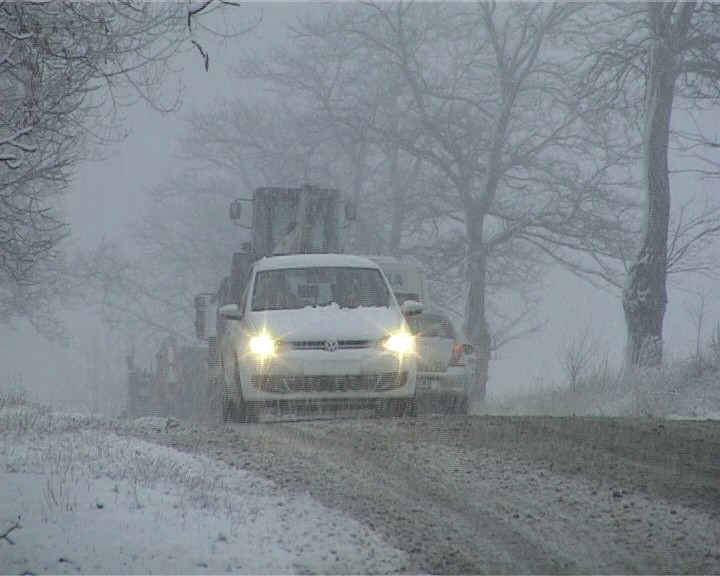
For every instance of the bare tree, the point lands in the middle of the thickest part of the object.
(66, 69)
(578, 355)
(489, 92)
(473, 107)
(698, 312)
(183, 244)
(671, 48)
(470, 114)
(714, 347)
(693, 229)
(321, 73)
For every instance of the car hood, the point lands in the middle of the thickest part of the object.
(321, 323)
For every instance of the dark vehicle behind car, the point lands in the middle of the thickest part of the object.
(445, 363)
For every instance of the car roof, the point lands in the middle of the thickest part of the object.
(384, 259)
(314, 261)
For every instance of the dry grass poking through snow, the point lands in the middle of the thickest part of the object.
(81, 495)
(685, 389)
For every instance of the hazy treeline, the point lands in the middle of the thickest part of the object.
(487, 140)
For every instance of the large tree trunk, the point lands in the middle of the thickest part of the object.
(645, 295)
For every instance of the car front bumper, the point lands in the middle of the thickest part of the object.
(317, 374)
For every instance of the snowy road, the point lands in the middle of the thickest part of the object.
(476, 494)
(500, 495)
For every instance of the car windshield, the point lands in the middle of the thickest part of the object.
(431, 326)
(319, 286)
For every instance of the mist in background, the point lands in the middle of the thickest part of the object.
(107, 199)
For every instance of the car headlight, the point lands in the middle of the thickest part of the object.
(400, 343)
(262, 345)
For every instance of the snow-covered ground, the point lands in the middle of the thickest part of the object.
(77, 497)
(688, 389)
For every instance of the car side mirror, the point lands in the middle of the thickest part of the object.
(411, 307)
(235, 210)
(231, 312)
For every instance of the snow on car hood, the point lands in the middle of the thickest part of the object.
(322, 322)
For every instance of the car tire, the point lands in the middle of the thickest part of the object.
(438, 404)
(461, 406)
(399, 407)
(411, 407)
(242, 411)
(229, 413)
(216, 382)
(215, 394)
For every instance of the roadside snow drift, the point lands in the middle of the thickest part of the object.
(78, 497)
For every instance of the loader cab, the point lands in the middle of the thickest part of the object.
(301, 220)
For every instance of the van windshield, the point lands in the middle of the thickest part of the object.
(291, 288)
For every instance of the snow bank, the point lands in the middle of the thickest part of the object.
(79, 497)
(685, 390)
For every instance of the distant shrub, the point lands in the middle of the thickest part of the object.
(714, 348)
(13, 399)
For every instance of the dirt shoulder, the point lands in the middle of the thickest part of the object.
(675, 459)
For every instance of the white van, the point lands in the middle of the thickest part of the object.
(406, 278)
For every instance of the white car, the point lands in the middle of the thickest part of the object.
(317, 329)
(445, 363)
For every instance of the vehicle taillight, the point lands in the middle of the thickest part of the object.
(457, 357)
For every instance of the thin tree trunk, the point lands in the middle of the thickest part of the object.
(478, 331)
(477, 327)
(398, 214)
(365, 240)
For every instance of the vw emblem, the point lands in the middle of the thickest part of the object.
(331, 345)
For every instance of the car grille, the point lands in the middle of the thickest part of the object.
(320, 344)
(314, 384)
